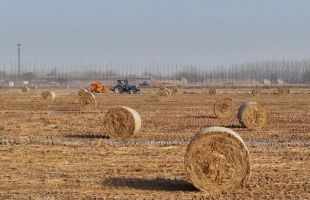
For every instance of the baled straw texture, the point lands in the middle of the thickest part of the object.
(121, 122)
(217, 160)
(166, 89)
(212, 91)
(252, 116)
(256, 92)
(282, 91)
(163, 94)
(48, 96)
(82, 92)
(224, 108)
(87, 101)
(25, 89)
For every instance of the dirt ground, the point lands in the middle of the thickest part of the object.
(56, 152)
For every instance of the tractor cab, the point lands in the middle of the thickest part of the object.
(123, 82)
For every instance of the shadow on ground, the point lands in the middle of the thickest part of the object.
(234, 126)
(201, 116)
(150, 184)
(87, 135)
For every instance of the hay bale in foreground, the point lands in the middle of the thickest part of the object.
(25, 89)
(48, 96)
(224, 108)
(212, 91)
(87, 101)
(282, 91)
(82, 92)
(121, 122)
(256, 92)
(217, 160)
(252, 116)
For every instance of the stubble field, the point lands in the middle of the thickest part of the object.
(57, 152)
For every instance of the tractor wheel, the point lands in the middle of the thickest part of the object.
(132, 91)
(118, 90)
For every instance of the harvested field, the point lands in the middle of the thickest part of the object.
(58, 152)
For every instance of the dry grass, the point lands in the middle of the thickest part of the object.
(82, 92)
(217, 160)
(224, 108)
(121, 122)
(252, 116)
(87, 101)
(282, 91)
(212, 91)
(49, 164)
(48, 97)
(163, 94)
(256, 92)
(25, 89)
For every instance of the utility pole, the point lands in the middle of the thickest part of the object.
(18, 63)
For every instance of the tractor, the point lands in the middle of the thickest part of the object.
(123, 86)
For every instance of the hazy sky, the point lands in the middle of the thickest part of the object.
(139, 31)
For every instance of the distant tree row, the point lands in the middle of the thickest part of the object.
(291, 72)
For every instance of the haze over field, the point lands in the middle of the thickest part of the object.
(139, 31)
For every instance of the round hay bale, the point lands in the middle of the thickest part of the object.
(252, 116)
(174, 90)
(82, 92)
(121, 122)
(163, 94)
(212, 91)
(87, 101)
(224, 108)
(256, 92)
(166, 89)
(217, 160)
(48, 96)
(169, 91)
(25, 89)
(282, 91)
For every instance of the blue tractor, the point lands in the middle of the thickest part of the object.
(123, 86)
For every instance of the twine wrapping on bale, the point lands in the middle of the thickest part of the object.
(82, 92)
(217, 160)
(87, 101)
(25, 89)
(212, 91)
(48, 96)
(121, 122)
(252, 116)
(256, 92)
(224, 108)
(283, 91)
